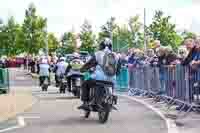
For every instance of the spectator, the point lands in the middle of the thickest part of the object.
(192, 51)
(156, 45)
(124, 60)
(165, 57)
(140, 58)
(196, 57)
(32, 65)
(192, 61)
(151, 58)
(131, 68)
(171, 57)
(131, 59)
(182, 53)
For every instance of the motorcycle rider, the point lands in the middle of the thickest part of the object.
(72, 70)
(44, 70)
(97, 61)
(60, 69)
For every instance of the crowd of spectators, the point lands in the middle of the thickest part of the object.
(159, 56)
(162, 57)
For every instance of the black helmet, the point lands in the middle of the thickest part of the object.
(105, 43)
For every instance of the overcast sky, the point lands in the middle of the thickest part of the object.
(62, 15)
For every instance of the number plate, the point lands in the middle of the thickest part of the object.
(46, 81)
(110, 90)
(78, 82)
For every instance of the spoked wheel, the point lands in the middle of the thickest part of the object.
(104, 114)
(62, 89)
(78, 92)
(74, 92)
(44, 87)
(87, 114)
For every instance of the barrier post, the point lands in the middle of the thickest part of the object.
(4, 80)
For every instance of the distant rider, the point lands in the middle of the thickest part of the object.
(73, 69)
(44, 70)
(60, 69)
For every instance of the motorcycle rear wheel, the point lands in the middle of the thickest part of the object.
(87, 114)
(44, 87)
(103, 115)
(62, 89)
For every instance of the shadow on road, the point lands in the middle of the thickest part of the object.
(58, 98)
(69, 122)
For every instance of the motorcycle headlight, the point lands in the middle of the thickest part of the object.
(45, 81)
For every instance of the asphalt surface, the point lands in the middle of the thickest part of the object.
(58, 113)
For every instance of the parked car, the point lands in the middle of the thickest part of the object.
(19, 61)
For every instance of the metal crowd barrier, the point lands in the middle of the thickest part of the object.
(175, 85)
(4, 81)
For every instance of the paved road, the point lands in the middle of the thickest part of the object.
(55, 113)
(20, 78)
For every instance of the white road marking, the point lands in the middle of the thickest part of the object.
(21, 121)
(171, 126)
(31, 117)
(20, 78)
(9, 129)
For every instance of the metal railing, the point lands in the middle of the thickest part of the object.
(175, 85)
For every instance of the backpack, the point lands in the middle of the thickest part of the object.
(109, 64)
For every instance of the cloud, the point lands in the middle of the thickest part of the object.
(195, 1)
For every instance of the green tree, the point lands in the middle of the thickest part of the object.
(107, 30)
(87, 38)
(68, 42)
(121, 38)
(162, 29)
(137, 38)
(186, 34)
(8, 38)
(34, 31)
(53, 43)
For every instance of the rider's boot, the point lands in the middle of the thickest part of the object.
(84, 106)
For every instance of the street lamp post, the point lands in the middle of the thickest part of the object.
(46, 40)
(145, 41)
(1, 23)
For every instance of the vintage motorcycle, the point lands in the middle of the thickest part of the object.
(76, 77)
(101, 100)
(45, 83)
(62, 83)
